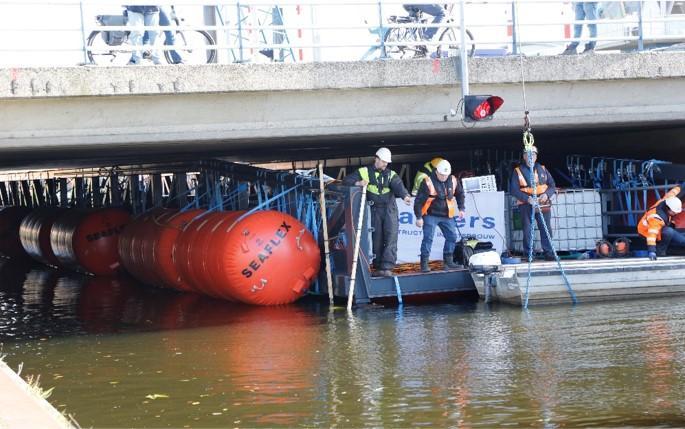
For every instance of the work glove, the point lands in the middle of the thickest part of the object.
(652, 256)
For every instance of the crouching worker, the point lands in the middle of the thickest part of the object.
(439, 200)
(655, 224)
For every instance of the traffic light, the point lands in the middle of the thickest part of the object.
(479, 107)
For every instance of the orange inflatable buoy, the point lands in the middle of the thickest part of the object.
(87, 240)
(164, 261)
(266, 258)
(131, 245)
(10, 220)
(192, 246)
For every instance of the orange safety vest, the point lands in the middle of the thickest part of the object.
(538, 190)
(651, 224)
(433, 194)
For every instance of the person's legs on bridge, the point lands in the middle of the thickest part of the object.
(438, 14)
(136, 21)
(590, 10)
(577, 29)
(152, 20)
(169, 35)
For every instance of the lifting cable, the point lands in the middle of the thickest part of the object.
(528, 142)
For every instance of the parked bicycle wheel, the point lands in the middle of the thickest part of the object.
(192, 45)
(398, 36)
(451, 46)
(109, 48)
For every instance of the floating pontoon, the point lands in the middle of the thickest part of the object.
(590, 280)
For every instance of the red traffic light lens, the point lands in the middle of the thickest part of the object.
(479, 107)
(482, 111)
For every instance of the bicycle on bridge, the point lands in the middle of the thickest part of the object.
(406, 41)
(112, 47)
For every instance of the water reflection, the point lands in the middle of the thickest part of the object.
(120, 354)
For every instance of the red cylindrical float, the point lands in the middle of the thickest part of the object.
(10, 219)
(133, 242)
(164, 254)
(34, 233)
(148, 238)
(266, 258)
(190, 249)
(87, 240)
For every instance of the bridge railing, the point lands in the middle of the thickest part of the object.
(66, 32)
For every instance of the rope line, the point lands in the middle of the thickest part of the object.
(528, 143)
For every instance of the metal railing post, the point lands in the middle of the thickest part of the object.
(463, 60)
(240, 35)
(381, 32)
(514, 47)
(83, 35)
(640, 28)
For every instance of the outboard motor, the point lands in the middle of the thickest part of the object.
(487, 264)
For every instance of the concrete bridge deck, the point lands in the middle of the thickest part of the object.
(233, 109)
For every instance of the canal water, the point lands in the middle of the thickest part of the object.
(122, 355)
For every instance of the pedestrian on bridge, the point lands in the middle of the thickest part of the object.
(439, 201)
(437, 11)
(383, 186)
(655, 224)
(583, 11)
(544, 187)
(138, 18)
(165, 14)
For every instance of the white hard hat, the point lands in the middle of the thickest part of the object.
(444, 167)
(384, 154)
(674, 204)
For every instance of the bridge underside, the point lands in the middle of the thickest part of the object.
(627, 106)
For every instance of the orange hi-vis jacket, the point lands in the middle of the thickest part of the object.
(450, 199)
(652, 223)
(539, 188)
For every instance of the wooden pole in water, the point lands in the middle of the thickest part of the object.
(326, 246)
(355, 255)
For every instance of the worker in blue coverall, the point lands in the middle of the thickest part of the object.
(544, 187)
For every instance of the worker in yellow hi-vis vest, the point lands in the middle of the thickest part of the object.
(383, 186)
(424, 171)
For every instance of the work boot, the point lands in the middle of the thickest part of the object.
(570, 50)
(424, 265)
(448, 259)
(385, 273)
